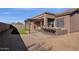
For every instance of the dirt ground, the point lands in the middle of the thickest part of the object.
(48, 42)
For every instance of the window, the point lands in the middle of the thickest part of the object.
(50, 22)
(60, 22)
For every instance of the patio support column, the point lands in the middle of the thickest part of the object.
(41, 24)
(32, 26)
(45, 20)
(55, 23)
(25, 25)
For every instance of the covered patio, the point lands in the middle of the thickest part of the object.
(47, 23)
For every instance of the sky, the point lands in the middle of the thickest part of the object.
(10, 15)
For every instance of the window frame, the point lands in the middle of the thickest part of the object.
(58, 22)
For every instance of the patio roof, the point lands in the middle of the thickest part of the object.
(44, 13)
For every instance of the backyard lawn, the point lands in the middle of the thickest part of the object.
(23, 31)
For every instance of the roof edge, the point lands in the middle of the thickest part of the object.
(44, 13)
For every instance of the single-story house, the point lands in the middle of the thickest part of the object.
(61, 23)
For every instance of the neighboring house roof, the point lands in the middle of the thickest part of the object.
(67, 12)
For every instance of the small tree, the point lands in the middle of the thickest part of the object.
(19, 23)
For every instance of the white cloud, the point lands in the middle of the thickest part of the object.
(6, 19)
(9, 13)
(10, 19)
(22, 9)
(6, 13)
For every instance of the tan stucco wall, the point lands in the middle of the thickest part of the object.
(67, 22)
(74, 23)
(4, 27)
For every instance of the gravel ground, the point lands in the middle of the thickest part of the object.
(44, 42)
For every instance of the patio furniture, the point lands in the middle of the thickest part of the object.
(54, 30)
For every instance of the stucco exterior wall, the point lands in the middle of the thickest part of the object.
(74, 23)
(4, 27)
(67, 19)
